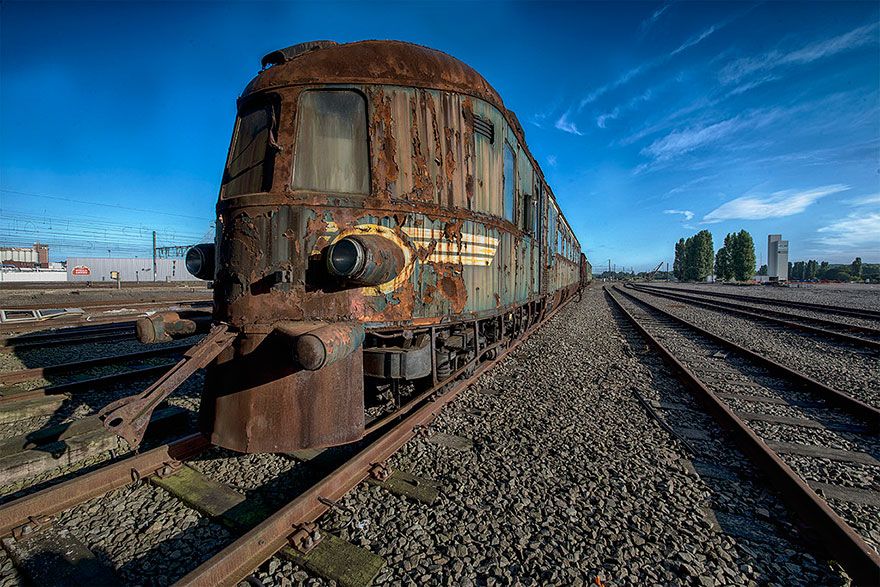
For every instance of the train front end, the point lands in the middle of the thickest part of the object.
(297, 268)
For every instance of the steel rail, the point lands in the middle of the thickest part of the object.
(766, 311)
(239, 559)
(68, 494)
(61, 332)
(71, 340)
(85, 384)
(830, 308)
(36, 372)
(854, 406)
(121, 304)
(734, 309)
(75, 321)
(859, 560)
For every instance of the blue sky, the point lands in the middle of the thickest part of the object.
(651, 120)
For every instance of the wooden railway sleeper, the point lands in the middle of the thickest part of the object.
(128, 417)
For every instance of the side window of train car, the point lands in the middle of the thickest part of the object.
(332, 153)
(253, 152)
(509, 181)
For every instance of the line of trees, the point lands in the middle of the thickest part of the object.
(812, 269)
(695, 261)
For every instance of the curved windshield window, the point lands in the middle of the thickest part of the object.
(331, 143)
(251, 163)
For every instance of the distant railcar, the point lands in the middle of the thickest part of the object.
(381, 225)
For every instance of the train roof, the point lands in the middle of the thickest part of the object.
(372, 62)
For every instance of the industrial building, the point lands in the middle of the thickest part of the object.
(34, 257)
(137, 270)
(777, 258)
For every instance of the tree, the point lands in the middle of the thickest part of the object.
(742, 255)
(762, 270)
(856, 268)
(699, 255)
(799, 270)
(838, 274)
(823, 269)
(722, 264)
(812, 269)
(678, 264)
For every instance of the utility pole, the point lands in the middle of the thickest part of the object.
(154, 255)
(667, 270)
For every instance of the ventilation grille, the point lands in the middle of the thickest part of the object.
(485, 128)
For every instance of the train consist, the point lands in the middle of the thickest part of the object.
(381, 227)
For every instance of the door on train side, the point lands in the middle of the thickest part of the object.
(542, 238)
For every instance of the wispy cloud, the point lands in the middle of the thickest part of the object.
(776, 205)
(688, 215)
(860, 231)
(632, 104)
(696, 40)
(603, 119)
(735, 71)
(651, 64)
(551, 160)
(564, 124)
(865, 200)
(648, 22)
(680, 142)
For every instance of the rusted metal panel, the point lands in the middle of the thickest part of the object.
(258, 400)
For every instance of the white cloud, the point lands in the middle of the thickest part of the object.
(695, 40)
(856, 230)
(564, 124)
(736, 70)
(688, 215)
(649, 65)
(776, 205)
(603, 118)
(646, 24)
(683, 141)
(865, 200)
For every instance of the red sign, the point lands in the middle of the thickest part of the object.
(81, 270)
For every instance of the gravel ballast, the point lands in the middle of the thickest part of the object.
(565, 478)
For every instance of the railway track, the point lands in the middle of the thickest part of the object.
(94, 315)
(68, 336)
(861, 313)
(800, 432)
(859, 336)
(261, 533)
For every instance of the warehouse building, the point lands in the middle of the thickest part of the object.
(137, 270)
(777, 258)
(34, 257)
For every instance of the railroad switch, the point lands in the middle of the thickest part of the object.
(305, 537)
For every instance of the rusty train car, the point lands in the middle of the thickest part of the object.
(381, 227)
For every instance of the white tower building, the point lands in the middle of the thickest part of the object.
(777, 258)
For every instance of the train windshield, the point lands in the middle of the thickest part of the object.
(250, 166)
(331, 143)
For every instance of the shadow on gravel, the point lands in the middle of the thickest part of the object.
(739, 504)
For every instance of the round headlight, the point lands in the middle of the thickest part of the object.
(345, 258)
(200, 261)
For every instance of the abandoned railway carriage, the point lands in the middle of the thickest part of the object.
(381, 227)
